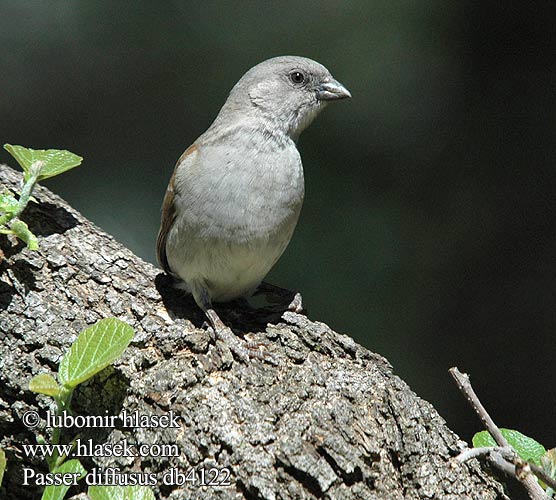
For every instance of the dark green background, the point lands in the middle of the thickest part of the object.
(428, 231)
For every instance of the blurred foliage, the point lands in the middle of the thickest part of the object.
(428, 227)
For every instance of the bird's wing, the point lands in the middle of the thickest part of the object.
(169, 213)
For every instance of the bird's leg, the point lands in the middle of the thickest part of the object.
(240, 348)
(226, 335)
(278, 295)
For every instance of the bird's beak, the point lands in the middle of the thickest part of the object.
(332, 90)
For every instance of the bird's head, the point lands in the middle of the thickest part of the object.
(288, 92)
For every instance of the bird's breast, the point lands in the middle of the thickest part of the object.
(245, 194)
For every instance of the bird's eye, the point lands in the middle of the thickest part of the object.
(297, 77)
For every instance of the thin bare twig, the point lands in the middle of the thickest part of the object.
(507, 453)
(543, 475)
(521, 469)
(502, 464)
(464, 385)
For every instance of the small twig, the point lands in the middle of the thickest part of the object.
(464, 385)
(507, 453)
(521, 469)
(504, 458)
(543, 475)
(502, 464)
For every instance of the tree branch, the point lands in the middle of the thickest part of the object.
(521, 469)
(330, 420)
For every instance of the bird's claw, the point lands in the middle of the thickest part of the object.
(296, 305)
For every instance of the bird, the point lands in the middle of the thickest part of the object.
(235, 195)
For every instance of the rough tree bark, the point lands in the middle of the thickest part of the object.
(331, 420)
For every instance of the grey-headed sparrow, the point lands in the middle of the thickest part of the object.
(234, 198)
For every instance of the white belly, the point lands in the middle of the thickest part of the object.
(228, 271)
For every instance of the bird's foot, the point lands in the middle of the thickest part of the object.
(243, 350)
(296, 305)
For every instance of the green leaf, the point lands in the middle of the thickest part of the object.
(120, 493)
(483, 439)
(21, 230)
(56, 161)
(527, 448)
(45, 384)
(95, 348)
(8, 203)
(3, 463)
(58, 492)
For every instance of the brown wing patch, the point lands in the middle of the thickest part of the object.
(169, 213)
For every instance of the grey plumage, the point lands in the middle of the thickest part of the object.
(234, 198)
